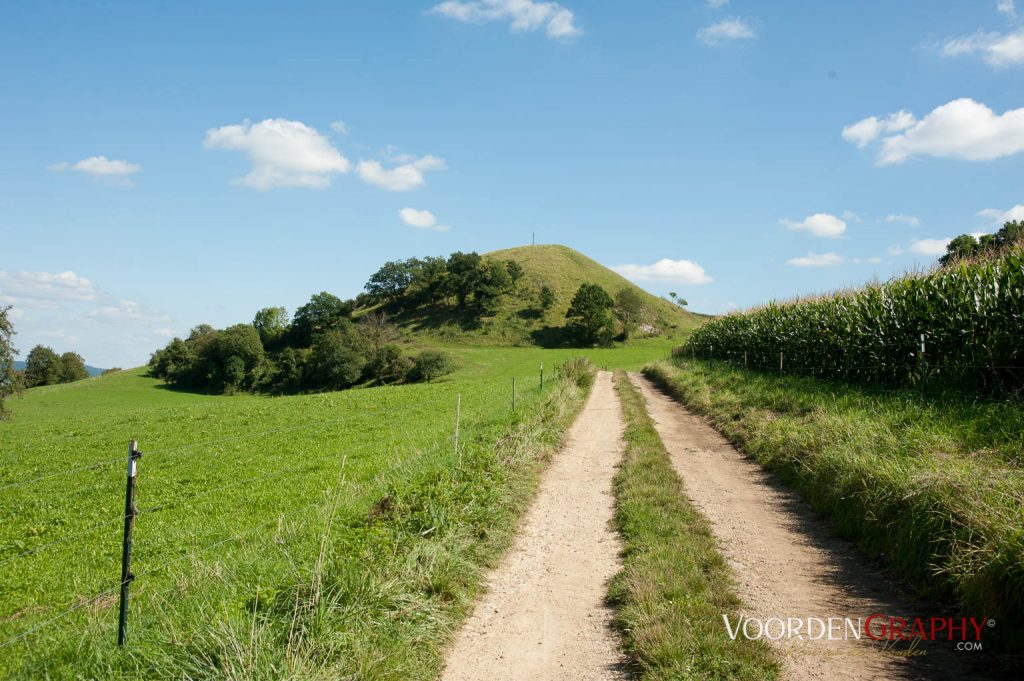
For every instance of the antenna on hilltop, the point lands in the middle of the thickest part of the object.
(533, 238)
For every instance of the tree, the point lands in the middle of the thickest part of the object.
(546, 297)
(515, 270)
(677, 299)
(388, 364)
(963, 246)
(589, 315)
(42, 367)
(8, 379)
(391, 280)
(629, 308)
(271, 323)
(430, 364)
(322, 313)
(463, 273)
(235, 355)
(375, 328)
(333, 363)
(492, 282)
(72, 367)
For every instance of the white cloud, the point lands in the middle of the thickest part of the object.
(1000, 50)
(339, 127)
(400, 178)
(867, 261)
(717, 4)
(522, 15)
(819, 224)
(421, 219)
(962, 129)
(725, 31)
(929, 246)
(283, 153)
(817, 260)
(850, 216)
(99, 167)
(1006, 7)
(868, 130)
(1000, 217)
(44, 290)
(127, 310)
(905, 219)
(666, 271)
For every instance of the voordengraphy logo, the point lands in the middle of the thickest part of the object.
(875, 627)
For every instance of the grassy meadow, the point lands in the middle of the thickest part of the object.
(280, 537)
(935, 488)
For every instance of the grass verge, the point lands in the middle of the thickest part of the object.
(368, 582)
(675, 585)
(935, 489)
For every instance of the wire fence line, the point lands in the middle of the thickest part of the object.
(438, 448)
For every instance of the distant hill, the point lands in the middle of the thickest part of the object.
(520, 321)
(19, 365)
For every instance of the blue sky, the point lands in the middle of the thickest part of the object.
(169, 164)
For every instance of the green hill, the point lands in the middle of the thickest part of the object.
(520, 319)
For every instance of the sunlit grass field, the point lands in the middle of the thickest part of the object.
(253, 505)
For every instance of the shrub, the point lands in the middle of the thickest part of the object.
(388, 365)
(430, 364)
(578, 370)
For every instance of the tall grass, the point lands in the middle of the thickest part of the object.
(937, 490)
(354, 558)
(971, 316)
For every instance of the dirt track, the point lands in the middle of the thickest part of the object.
(786, 561)
(544, 615)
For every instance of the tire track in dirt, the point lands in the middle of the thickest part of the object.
(544, 615)
(786, 560)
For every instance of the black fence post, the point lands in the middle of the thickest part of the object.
(542, 375)
(126, 552)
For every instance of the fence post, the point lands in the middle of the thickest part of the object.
(126, 550)
(780, 362)
(745, 365)
(542, 375)
(458, 410)
(922, 369)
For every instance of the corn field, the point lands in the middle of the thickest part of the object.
(971, 316)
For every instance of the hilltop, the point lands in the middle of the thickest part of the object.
(519, 319)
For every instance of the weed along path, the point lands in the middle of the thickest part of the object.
(787, 562)
(544, 615)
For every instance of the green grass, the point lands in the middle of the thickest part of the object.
(228, 580)
(519, 322)
(935, 488)
(675, 585)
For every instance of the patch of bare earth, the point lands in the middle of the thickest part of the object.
(544, 615)
(787, 561)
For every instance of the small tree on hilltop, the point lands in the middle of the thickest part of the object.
(589, 315)
(271, 323)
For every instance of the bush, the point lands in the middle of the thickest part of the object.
(430, 364)
(388, 365)
(333, 363)
(578, 370)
